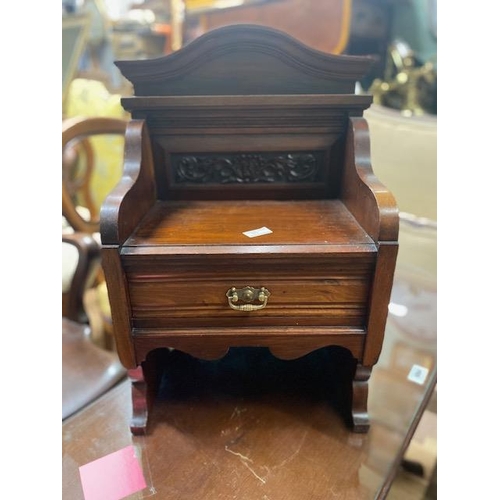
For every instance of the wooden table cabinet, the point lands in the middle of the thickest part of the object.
(248, 213)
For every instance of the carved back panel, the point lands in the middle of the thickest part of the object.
(246, 112)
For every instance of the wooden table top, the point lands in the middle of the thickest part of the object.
(253, 427)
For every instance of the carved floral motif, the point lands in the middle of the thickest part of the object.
(246, 168)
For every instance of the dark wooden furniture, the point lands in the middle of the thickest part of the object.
(222, 440)
(89, 166)
(88, 371)
(80, 270)
(80, 159)
(242, 129)
(294, 447)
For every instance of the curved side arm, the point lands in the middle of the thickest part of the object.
(135, 193)
(371, 203)
(374, 207)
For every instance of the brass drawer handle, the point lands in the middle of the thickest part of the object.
(247, 295)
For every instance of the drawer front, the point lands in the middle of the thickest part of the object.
(170, 293)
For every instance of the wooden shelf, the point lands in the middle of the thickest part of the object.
(311, 222)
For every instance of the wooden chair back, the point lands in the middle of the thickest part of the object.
(79, 161)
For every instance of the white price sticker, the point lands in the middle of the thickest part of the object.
(257, 232)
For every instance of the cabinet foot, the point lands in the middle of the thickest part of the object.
(144, 380)
(139, 419)
(360, 419)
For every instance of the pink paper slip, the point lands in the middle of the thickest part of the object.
(112, 477)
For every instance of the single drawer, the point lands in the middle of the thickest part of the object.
(230, 292)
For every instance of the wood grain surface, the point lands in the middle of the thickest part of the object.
(276, 431)
(247, 127)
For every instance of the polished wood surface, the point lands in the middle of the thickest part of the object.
(88, 371)
(275, 430)
(205, 142)
(136, 191)
(324, 222)
(245, 60)
(171, 290)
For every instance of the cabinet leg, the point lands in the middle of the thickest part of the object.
(139, 419)
(144, 378)
(360, 420)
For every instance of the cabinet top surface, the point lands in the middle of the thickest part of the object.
(310, 222)
(245, 59)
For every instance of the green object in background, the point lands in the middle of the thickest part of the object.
(414, 21)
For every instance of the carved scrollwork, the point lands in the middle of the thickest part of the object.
(246, 168)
